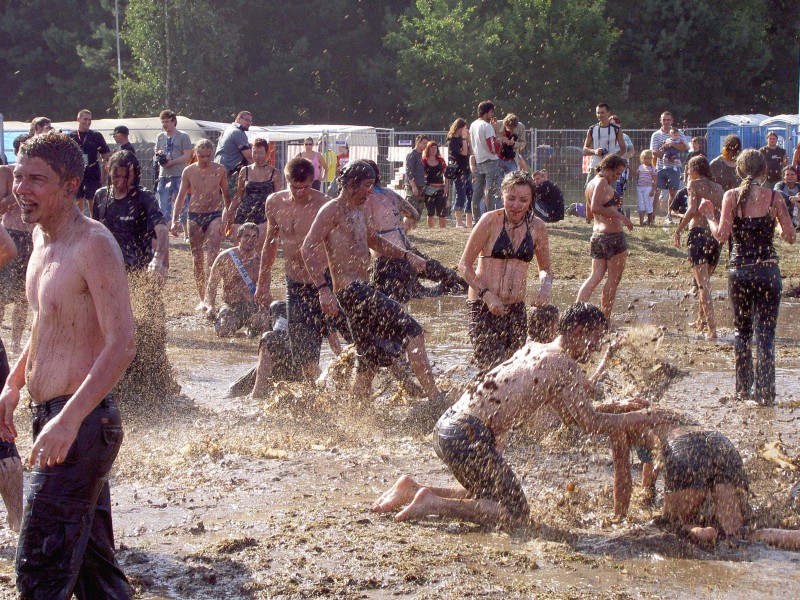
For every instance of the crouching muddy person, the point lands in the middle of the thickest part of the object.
(236, 268)
(504, 242)
(698, 464)
(469, 436)
(391, 216)
(81, 342)
(381, 329)
(608, 249)
(749, 216)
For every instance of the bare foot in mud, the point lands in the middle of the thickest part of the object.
(702, 535)
(711, 336)
(425, 503)
(399, 495)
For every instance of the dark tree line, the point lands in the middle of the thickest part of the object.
(401, 63)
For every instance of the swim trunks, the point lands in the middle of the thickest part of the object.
(381, 329)
(469, 449)
(607, 245)
(204, 219)
(12, 276)
(307, 324)
(393, 277)
(702, 247)
(700, 460)
(494, 337)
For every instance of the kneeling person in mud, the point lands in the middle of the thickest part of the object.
(698, 464)
(207, 186)
(381, 329)
(236, 268)
(469, 437)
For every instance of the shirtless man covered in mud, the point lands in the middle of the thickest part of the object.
(206, 183)
(81, 343)
(290, 214)
(236, 268)
(704, 250)
(391, 217)
(469, 436)
(381, 329)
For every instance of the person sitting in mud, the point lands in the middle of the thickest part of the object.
(608, 250)
(380, 328)
(697, 464)
(469, 437)
(290, 214)
(504, 242)
(391, 216)
(236, 268)
(704, 250)
(207, 185)
(543, 324)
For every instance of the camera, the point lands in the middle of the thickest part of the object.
(160, 157)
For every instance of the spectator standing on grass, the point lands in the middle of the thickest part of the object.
(645, 187)
(603, 138)
(436, 185)
(415, 173)
(95, 154)
(317, 160)
(121, 134)
(484, 161)
(661, 143)
(776, 159)
(511, 135)
(233, 149)
(458, 155)
(630, 152)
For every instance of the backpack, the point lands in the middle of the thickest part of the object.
(548, 202)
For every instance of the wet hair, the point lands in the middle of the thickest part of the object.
(457, 124)
(127, 159)
(700, 164)
(356, 172)
(60, 153)
(19, 140)
(611, 161)
(518, 178)
(168, 114)
(428, 146)
(299, 169)
(581, 314)
(375, 168)
(203, 144)
(749, 165)
(419, 138)
(83, 111)
(542, 323)
(646, 157)
(484, 107)
(261, 143)
(244, 227)
(604, 105)
(511, 120)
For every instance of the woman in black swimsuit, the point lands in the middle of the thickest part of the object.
(503, 243)
(256, 183)
(748, 217)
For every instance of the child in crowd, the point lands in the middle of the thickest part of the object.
(646, 187)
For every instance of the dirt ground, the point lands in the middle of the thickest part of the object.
(238, 498)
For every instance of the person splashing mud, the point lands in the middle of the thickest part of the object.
(469, 436)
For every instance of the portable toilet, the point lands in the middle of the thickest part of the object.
(786, 127)
(747, 127)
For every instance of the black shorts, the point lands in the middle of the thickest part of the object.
(306, 321)
(436, 204)
(393, 277)
(700, 460)
(88, 188)
(703, 248)
(380, 327)
(251, 211)
(607, 245)
(469, 449)
(496, 338)
(12, 276)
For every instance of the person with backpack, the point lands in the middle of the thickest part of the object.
(602, 139)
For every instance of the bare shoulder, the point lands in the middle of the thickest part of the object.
(276, 199)
(320, 198)
(537, 225)
(189, 170)
(219, 169)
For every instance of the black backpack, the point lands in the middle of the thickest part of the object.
(548, 202)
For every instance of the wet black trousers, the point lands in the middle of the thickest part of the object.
(66, 544)
(755, 293)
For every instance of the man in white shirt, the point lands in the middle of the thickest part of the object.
(603, 138)
(669, 178)
(485, 169)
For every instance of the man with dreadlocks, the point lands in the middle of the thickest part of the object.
(381, 329)
(132, 215)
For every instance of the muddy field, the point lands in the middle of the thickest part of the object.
(236, 498)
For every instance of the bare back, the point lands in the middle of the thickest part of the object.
(66, 336)
(205, 187)
(700, 189)
(291, 221)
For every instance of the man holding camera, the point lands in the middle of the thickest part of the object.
(603, 138)
(173, 151)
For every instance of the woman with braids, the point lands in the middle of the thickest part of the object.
(504, 242)
(608, 248)
(749, 216)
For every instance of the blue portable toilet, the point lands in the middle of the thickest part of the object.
(747, 127)
(786, 126)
